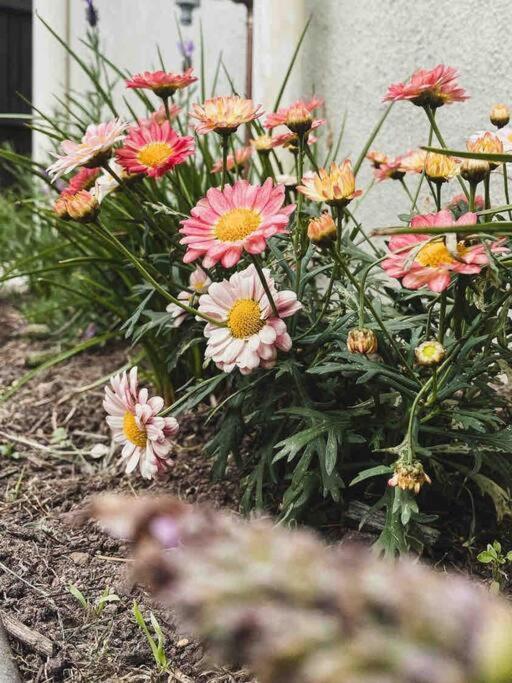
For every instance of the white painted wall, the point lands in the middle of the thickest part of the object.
(353, 50)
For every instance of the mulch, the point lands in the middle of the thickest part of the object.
(47, 432)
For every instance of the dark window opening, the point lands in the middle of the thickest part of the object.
(15, 76)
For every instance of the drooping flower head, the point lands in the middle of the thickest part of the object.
(154, 149)
(241, 217)
(241, 157)
(252, 334)
(198, 284)
(422, 261)
(93, 150)
(224, 114)
(162, 83)
(486, 142)
(81, 206)
(409, 476)
(440, 168)
(429, 87)
(84, 179)
(298, 117)
(336, 186)
(134, 420)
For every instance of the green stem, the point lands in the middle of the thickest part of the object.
(407, 191)
(432, 119)
(225, 146)
(442, 316)
(149, 278)
(472, 193)
(264, 282)
(487, 190)
(367, 303)
(438, 190)
(297, 233)
(505, 186)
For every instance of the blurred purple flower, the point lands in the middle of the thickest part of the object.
(186, 48)
(91, 13)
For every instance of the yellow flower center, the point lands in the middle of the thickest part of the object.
(436, 254)
(244, 319)
(154, 153)
(132, 431)
(429, 350)
(236, 224)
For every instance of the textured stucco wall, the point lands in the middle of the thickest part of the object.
(356, 48)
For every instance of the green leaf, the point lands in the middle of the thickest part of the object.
(331, 451)
(377, 471)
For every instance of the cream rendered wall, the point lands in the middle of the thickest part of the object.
(357, 47)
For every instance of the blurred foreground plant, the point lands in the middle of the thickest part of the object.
(296, 610)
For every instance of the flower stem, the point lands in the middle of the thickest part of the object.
(472, 192)
(297, 233)
(149, 278)
(225, 146)
(264, 282)
(487, 191)
(432, 118)
(505, 186)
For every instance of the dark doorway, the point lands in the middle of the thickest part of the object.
(15, 75)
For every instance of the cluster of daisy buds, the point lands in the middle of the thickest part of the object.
(293, 609)
(409, 476)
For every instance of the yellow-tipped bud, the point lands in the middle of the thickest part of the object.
(441, 168)
(409, 476)
(299, 119)
(475, 170)
(500, 115)
(429, 353)
(362, 340)
(322, 230)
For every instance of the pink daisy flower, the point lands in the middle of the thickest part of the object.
(429, 87)
(252, 334)
(134, 421)
(154, 149)
(224, 114)
(161, 83)
(241, 157)
(198, 284)
(160, 115)
(84, 179)
(423, 261)
(93, 150)
(240, 217)
(298, 116)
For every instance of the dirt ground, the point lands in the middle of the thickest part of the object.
(47, 432)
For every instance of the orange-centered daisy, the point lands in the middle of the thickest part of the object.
(224, 114)
(154, 149)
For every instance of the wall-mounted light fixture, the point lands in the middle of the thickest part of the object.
(187, 8)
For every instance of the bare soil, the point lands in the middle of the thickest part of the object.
(47, 431)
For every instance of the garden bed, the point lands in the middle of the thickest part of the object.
(41, 555)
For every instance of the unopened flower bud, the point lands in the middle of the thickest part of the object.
(299, 119)
(429, 353)
(82, 206)
(409, 476)
(376, 158)
(486, 143)
(441, 168)
(322, 230)
(500, 115)
(263, 144)
(474, 170)
(362, 340)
